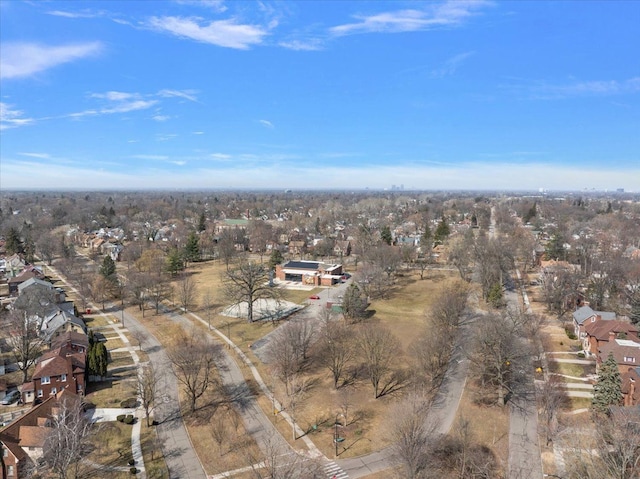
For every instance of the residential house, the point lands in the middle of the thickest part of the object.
(631, 387)
(72, 340)
(312, 273)
(297, 247)
(27, 273)
(342, 248)
(59, 322)
(599, 332)
(584, 315)
(37, 283)
(625, 351)
(56, 370)
(22, 442)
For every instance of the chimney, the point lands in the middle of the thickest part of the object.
(612, 335)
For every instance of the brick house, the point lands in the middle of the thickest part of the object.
(22, 441)
(599, 332)
(585, 315)
(625, 351)
(57, 370)
(312, 273)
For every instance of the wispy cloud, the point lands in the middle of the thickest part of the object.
(542, 90)
(220, 156)
(166, 136)
(197, 132)
(150, 157)
(42, 156)
(266, 123)
(223, 33)
(307, 44)
(78, 14)
(449, 13)
(451, 65)
(217, 5)
(160, 117)
(186, 94)
(25, 59)
(11, 118)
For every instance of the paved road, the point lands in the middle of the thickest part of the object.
(180, 456)
(525, 461)
(443, 412)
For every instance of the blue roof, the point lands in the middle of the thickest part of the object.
(310, 265)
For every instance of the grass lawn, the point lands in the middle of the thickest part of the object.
(112, 448)
(154, 464)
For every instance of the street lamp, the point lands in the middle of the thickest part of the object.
(336, 438)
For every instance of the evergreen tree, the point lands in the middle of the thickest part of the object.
(29, 248)
(108, 269)
(555, 248)
(97, 358)
(192, 248)
(426, 241)
(175, 261)
(13, 242)
(385, 235)
(634, 314)
(608, 390)
(442, 232)
(202, 222)
(353, 304)
(275, 258)
(494, 297)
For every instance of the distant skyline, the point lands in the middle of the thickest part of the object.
(213, 94)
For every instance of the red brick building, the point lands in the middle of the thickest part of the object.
(312, 273)
(57, 370)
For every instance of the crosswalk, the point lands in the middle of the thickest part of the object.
(334, 471)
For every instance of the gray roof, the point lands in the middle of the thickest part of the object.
(582, 314)
(53, 322)
(32, 281)
(310, 265)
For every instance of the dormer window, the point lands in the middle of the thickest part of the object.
(45, 380)
(593, 320)
(629, 359)
(63, 377)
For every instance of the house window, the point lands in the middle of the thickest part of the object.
(45, 380)
(593, 320)
(39, 393)
(5, 452)
(10, 471)
(53, 391)
(629, 359)
(63, 377)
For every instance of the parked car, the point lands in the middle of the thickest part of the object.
(11, 397)
(314, 296)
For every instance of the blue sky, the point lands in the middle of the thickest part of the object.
(338, 94)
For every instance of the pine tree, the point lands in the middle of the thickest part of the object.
(13, 242)
(275, 258)
(175, 261)
(385, 234)
(202, 222)
(608, 390)
(353, 304)
(108, 269)
(442, 231)
(192, 248)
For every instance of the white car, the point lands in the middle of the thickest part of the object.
(11, 397)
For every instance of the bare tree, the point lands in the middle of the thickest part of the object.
(146, 385)
(158, 291)
(614, 452)
(67, 440)
(248, 282)
(227, 247)
(412, 436)
(207, 305)
(280, 462)
(287, 351)
(186, 289)
(26, 345)
(336, 349)
(378, 349)
(193, 359)
(500, 353)
(551, 398)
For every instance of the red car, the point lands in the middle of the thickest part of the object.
(314, 296)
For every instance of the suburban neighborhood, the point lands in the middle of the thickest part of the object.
(336, 330)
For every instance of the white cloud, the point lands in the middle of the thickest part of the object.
(585, 88)
(266, 123)
(217, 5)
(220, 156)
(451, 65)
(179, 162)
(25, 59)
(79, 14)
(312, 44)
(449, 13)
(165, 136)
(10, 118)
(223, 33)
(160, 117)
(186, 94)
(151, 157)
(115, 95)
(197, 132)
(42, 156)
